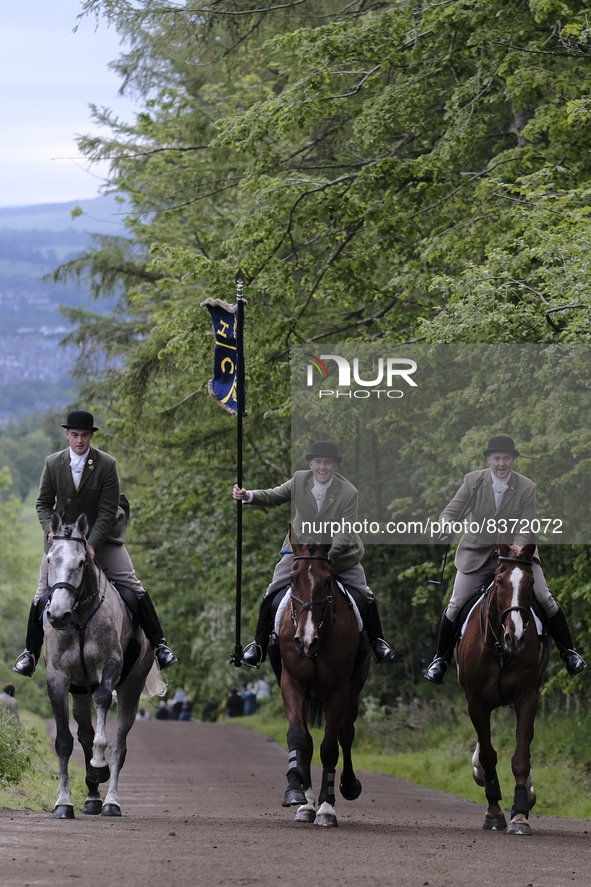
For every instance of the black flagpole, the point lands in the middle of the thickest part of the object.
(240, 401)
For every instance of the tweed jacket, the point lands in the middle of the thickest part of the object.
(340, 505)
(518, 502)
(97, 496)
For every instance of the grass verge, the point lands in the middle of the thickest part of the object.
(37, 787)
(432, 745)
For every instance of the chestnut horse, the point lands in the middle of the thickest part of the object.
(501, 660)
(319, 643)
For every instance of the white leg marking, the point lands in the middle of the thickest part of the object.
(478, 768)
(529, 784)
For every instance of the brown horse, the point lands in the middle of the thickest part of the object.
(501, 660)
(319, 644)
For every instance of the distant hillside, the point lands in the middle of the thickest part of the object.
(34, 371)
(102, 215)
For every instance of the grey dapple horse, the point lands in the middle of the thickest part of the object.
(87, 630)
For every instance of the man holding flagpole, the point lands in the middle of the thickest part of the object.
(317, 492)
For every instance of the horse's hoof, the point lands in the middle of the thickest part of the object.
(519, 828)
(294, 796)
(350, 792)
(478, 780)
(111, 810)
(327, 820)
(305, 815)
(531, 803)
(93, 807)
(494, 823)
(98, 774)
(63, 811)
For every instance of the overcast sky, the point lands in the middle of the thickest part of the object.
(48, 76)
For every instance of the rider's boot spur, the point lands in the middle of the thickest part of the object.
(445, 647)
(27, 661)
(560, 633)
(382, 651)
(149, 622)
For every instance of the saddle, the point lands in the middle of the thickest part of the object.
(362, 650)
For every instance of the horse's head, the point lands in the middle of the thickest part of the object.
(514, 584)
(311, 592)
(67, 569)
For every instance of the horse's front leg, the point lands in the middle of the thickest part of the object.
(58, 688)
(82, 711)
(485, 768)
(128, 695)
(329, 755)
(350, 786)
(103, 697)
(299, 744)
(525, 797)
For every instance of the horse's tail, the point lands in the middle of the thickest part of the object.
(315, 711)
(155, 685)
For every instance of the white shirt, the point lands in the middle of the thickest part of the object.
(319, 492)
(77, 464)
(499, 486)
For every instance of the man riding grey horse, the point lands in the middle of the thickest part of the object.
(498, 494)
(316, 493)
(84, 480)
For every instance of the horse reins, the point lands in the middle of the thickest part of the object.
(308, 605)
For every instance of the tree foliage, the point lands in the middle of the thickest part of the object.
(394, 171)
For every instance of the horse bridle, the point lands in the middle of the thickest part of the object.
(307, 605)
(75, 589)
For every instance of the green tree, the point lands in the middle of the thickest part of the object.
(397, 171)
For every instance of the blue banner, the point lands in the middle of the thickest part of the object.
(223, 387)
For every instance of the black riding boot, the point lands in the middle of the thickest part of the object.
(560, 633)
(256, 652)
(27, 661)
(381, 650)
(448, 636)
(149, 622)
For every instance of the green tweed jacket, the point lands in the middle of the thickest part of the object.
(339, 505)
(97, 496)
(518, 503)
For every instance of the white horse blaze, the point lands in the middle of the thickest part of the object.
(516, 616)
(309, 630)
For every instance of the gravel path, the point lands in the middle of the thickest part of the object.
(201, 805)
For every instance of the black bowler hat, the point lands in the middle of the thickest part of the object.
(326, 449)
(500, 443)
(81, 420)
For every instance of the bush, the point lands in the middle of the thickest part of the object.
(16, 748)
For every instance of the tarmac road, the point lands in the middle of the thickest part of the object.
(202, 806)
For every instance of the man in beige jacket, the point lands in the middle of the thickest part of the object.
(495, 497)
(319, 497)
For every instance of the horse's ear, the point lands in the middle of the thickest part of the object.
(293, 538)
(503, 549)
(527, 552)
(81, 526)
(56, 523)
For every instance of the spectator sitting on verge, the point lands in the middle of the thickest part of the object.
(8, 702)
